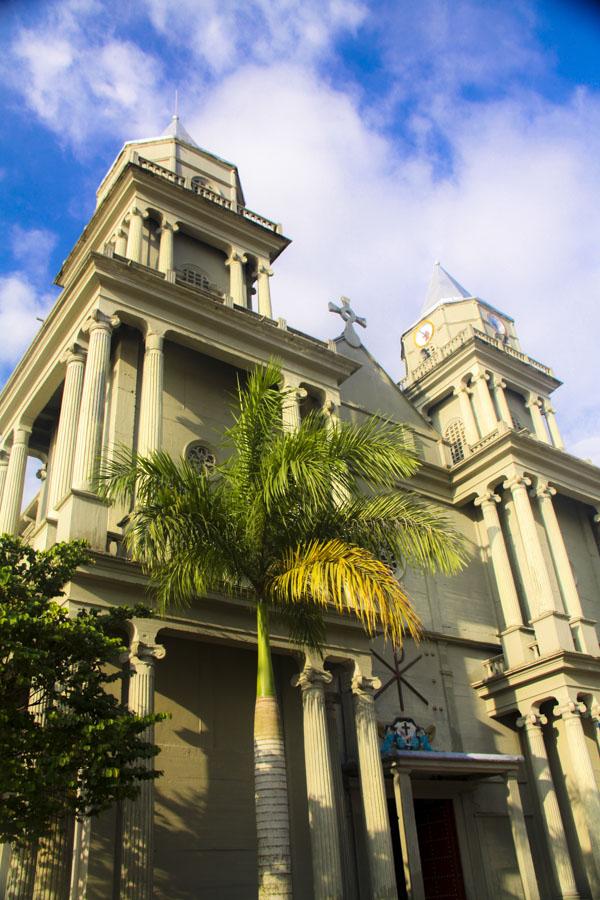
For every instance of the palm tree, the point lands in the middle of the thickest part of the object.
(300, 521)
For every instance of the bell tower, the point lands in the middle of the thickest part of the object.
(466, 371)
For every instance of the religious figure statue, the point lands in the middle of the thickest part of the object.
(405, 734)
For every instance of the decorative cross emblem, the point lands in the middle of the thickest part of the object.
(349, 317)
(398, 676)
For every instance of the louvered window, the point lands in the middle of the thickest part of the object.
(455, 435)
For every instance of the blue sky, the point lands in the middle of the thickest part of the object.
(383, 135)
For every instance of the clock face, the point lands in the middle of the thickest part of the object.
(424, 333)
(496, 323)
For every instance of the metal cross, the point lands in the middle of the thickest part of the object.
(349, 317)
(398, 676)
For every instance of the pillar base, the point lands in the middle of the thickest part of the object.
(516, 644)
(584, 634)
(83, 515)
(552, 632)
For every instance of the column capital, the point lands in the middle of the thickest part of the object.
(487, 498)
(543, 490)
(548, 408)
(99, 320)
(515, 482)
(264, 268)
(166, 225)
(532, 721)
(572, 709)
(4, 457)
(237, 256)
(312, 678)
(42, 473)
(141, 652)
(21, 433)
(498, 382)
(462, 389)
(364, 687)
(479, 376)
(533, 400)
(74, 352)
(137, 211)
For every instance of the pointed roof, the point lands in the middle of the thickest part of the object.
(176, 130)
(443, 288)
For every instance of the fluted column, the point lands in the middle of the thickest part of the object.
(81, 856)
(551, 625)
(595, 717)
(521, 839)
(21, 873)
(121, 242)
(151, 407)
(543, 784)
(61, 471)
(466, 413)
(324, 838)
(555, 434)
(236, 261)
(88, 445)
(378, 838)
(291, 406)
(514, 638)
(583, 629)
(499, 388)
(134, 236)
(137, 861)
(484, 408)
(409, 841)
(582, 773)
(263, 274)
(53, 871)
(332, 701)
(165, 250)
(12, 497)
(3, 470)
(533, 405)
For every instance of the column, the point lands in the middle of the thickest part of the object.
(21, 873)
(137, 861)
(499, 387)
(235, 261)
(409, 841)
(81, 855)
(555, 434)
(582, 773)
(53, 871)
(539, 428)
(121, 242)
(595, 717)
(165, 250)
(484, 408)
(466, 413)
(551, 625)
(293, 394)
(3, 470)
(515, 638)
(322, 817)
(151, 406)
(61, 471)
(378, 838)
(263, 274)
(134, 236)
(332, 701)
(12, 498)
(556, 840)
(88, 445)
(584, 630)
(521, 839)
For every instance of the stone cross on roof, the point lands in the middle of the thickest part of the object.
(349, 317)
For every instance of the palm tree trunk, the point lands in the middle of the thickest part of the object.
(270, 779)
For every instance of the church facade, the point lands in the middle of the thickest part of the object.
(490, 785)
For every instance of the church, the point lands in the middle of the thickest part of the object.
(487, 785)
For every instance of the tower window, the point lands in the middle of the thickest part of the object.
(191, 274)
(200, 457)
(455, 435)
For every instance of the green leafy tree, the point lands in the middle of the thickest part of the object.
(67, 745)
(301, 521)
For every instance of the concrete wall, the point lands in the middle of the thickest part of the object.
(187, 249)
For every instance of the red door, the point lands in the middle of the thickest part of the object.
(440, 855)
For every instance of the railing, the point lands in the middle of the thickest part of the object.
(208, 194)
(458, 341)
(153, 167)
(496, 665)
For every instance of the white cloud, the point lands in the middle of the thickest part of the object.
(32, 248)
(20, 305)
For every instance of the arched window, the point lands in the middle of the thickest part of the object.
(455, 435)
(200, 457)
(191, 274)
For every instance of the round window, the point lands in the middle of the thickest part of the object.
(200, 457)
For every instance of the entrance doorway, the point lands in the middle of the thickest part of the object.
(439, 850)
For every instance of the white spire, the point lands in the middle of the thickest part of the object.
(175, 129)
(443, 288)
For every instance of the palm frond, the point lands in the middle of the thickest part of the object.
(348, 578)
(377, 451)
